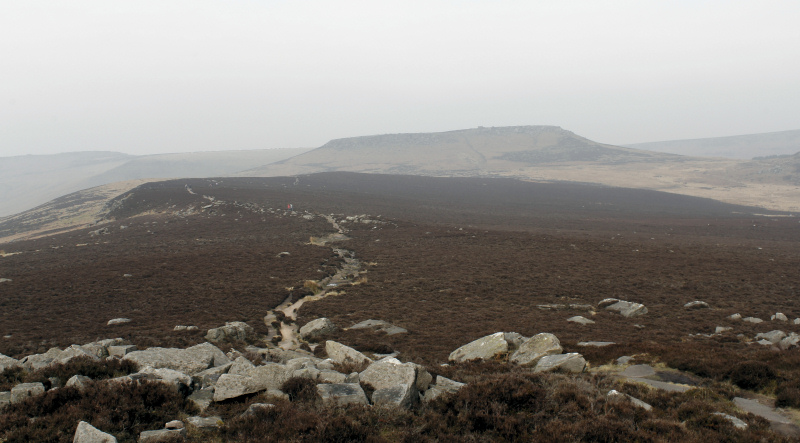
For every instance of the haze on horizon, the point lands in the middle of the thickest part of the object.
(150, 77)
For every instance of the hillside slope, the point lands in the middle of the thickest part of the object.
(739, 146)
(31, 180)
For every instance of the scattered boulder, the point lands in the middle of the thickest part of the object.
(5, 398)
(403, 396)
(118, 321)
(779, 316)
(581, 320)
(78, 381)
(380, 325)
(535, 348)
(596, 344)
(754, 320)
(189, 361)
(7, 362)
(484, 348)
(721, 329)
(388, 373)
(162, 435)
(796, 321)
(790, 341)
(624, 360)
(344, 354)
(174, 424)
(23, 391)
(235, 330)
(169, 376)
(625, 308)
(616, 395)
(232, 386)
(241, 366)
(38, 361)
(3, 280)
(74, 352)
(121, 350)
(205, 422)
(341, 394)
(327, 376)
(737, 423)
(572, 362)
(774, 337)
(697, 304)
(736, 316)
(86, 433)
(639, 371)
(441, 386)
(317, 328)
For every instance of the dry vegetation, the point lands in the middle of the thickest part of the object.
(459, 259)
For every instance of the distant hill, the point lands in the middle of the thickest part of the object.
(468, 152)
(30, 180)
(738, 146)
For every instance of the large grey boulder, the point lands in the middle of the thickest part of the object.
(773, 337)
(232, 386)
(625, 308)
(235, 330)
(790, 341)
(779, 316)
(210, 376)
(38, 361)
(270, 376)
(402, 396)
(754, 320)
(169, 376)
(441, 386)
(24, 391)
(485, 348)
(344, 354)
(7, 362)
(572, 362)
(121, 350)
(86, 433)
(328, 376)
(535, 348)
(341, 394)
(389, 372)
(317, 328)
(189, 361)
(241, 366)
(381, 326)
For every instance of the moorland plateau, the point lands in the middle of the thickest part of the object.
(450, 260)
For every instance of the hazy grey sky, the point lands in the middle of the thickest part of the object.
(172, 76)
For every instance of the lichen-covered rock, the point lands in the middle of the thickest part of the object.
(535, 348)
(232, 386)
(118, 321)
(485, 348)
(754, 320)
(344, 354)
(572, 362)
(86, 433)
(341, 394)
(317, 328)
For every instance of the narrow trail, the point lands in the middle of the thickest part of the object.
(346, 275)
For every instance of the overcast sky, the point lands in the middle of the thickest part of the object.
(158, 76)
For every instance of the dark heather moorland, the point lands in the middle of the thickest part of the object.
(453, 260)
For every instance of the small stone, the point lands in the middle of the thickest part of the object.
(754, 320)
(572, 362)
(697, 304)
(205, 422)
(779, 316)
(596, 344)
(3, 280)
(121, 351)
(735, 316)
(737, 423)
(581, 320)
(118, 321)
(624, 360)
(174, 424)
(78, 381)
(614, 394)
(161, 435)
(721, 329)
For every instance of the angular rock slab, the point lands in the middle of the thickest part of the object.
(342, 394)
(86, 433)
(484, 348)
(78, 382)
(205, 422)
(581, 320)
(400, 396)
(235, 330)
(317, 328)
(625, 308)
(388, 373)
(615, 395)
(572, 362)
(189, 361)
(161, 435)
(344, 354)
(737, 423)
(773, 337)
(697, 304)
(7, 362)
(442, 386)
(535, 348)
(380, 325)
